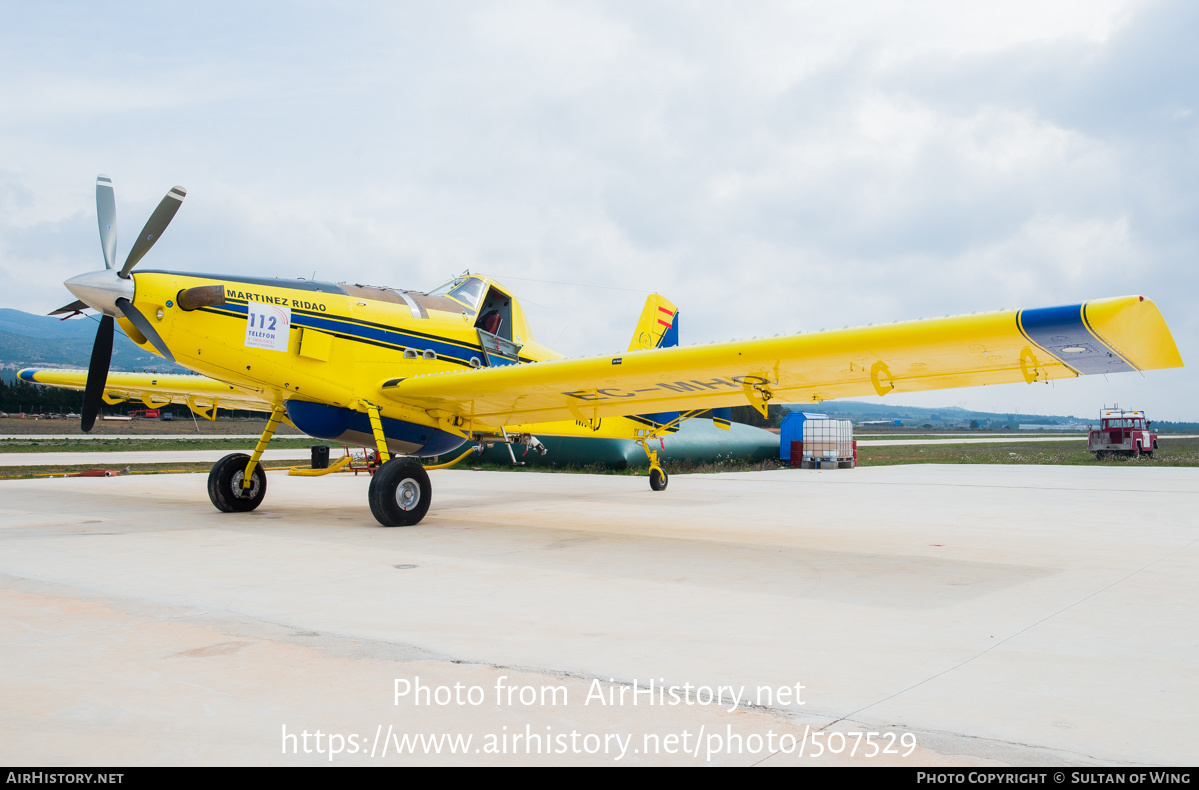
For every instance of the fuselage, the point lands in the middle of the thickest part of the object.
(322, 349)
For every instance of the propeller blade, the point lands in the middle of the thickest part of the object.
(106, 213)
(97, 373)
(74, 307)
(157, 223)
(145, 327)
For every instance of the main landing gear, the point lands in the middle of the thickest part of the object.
(399, 496)
(225, 485)
(237, 482)
(400, 492)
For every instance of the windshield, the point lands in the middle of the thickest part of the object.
(467, 290)
(445, 289)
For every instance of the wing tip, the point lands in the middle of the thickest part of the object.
(1135, 327)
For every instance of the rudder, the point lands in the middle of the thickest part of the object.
(658, 326)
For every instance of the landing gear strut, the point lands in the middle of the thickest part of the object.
(400, 492)
(399, 496)
(226, 486)
(657, 475)
(237, 482)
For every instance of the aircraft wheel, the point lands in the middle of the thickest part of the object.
(658, 479)
(400, 493)
(224, 484)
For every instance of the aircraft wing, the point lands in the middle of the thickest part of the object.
(154, 389)
(1037, 345)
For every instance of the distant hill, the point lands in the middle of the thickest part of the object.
(952, 417)
(947, 417)
(939, 417)
(28, 340)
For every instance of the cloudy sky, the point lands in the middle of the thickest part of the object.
(771, 167)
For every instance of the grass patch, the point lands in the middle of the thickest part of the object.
(1172, 452)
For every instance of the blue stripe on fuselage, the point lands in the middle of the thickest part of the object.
(456, 351)
(1056, 329)
(361, 331)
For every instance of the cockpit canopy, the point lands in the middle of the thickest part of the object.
(488, 303)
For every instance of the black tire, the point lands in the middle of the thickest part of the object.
(400, 493)
(658, 479)
(224, 484)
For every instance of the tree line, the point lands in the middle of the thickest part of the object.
(21, 396)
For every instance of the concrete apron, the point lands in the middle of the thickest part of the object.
(995, 615)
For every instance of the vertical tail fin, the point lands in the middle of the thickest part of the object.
(658, 326)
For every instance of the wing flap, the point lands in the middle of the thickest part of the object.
(962, 351)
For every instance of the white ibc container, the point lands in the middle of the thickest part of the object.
(827, 440)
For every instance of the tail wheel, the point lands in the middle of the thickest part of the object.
(658, 479)
(225, 487)
(400, 493)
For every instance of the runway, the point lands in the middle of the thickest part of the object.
(990, 614)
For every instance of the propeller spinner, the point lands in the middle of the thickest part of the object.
(111, 292)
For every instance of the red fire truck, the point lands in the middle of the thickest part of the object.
(1122, 433)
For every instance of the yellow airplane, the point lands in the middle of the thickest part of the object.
(413, 374)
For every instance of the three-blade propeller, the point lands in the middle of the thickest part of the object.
(101, 287)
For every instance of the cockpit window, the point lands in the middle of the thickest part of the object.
(445, 289)
(467, 290)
